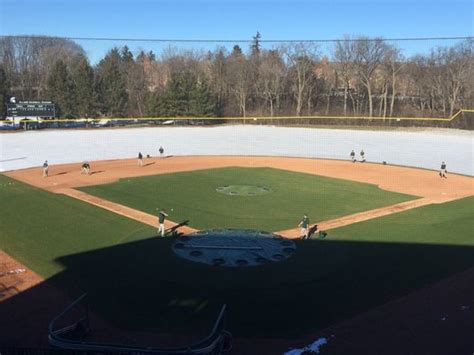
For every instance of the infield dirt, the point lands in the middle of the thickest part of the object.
(418, 182)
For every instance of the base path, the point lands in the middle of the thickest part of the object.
(360, 217)
(122, 210)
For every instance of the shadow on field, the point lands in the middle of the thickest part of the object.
(142, 286)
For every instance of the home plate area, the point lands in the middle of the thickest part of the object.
(233, 247)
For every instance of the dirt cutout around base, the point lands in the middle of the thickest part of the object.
(15, 277)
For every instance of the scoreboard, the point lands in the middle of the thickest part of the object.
(44, 109)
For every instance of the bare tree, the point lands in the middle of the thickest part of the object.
(419, 83)
(368, 56)
(217, 77)
(457, 63)
(395, 62)
(28, 60)
(301, 60)
(343, 55)
(240, 79)
(271, 79)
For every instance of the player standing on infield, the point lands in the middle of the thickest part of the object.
(45, 169)
(353, 156)
(304, 224)
(161, 221)
(443, 173)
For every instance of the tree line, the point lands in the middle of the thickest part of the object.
(359, 77)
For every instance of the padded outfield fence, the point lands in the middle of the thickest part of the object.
(463, 119)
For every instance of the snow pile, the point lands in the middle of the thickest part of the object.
(311, 348)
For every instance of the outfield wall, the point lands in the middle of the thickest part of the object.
(419, 148)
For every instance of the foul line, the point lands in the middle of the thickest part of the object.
(122, 210)
(361, 216)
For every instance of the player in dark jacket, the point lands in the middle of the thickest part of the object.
(443, 173)
(353, 156)
(161, 222)
(304, 225)
(45, 169)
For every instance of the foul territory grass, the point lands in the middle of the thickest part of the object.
(193, 196)
(137, 282)
(37, 227)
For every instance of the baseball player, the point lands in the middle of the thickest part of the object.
(362, 156)
(304, 225)
(85, 168)
(140, 159)
(443, 173)
(45, 169)
(162, 151)
(353, 156)
(161, 221)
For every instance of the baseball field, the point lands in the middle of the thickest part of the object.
(391, 231)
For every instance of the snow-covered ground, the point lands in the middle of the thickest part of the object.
(420, 148)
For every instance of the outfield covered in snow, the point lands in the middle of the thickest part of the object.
(418, 148)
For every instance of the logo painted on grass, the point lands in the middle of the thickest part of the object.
(243, 190)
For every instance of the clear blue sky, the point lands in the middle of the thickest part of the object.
(274, 19)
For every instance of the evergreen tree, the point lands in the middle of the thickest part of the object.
(111, 85)
(153, 104)
(184, 96)
(255, 47)
(202, 102)
(151, 56)
(126, 55)
(236, 50)
(176, 100)
(83, 78)
(4, 87)
(61, 90)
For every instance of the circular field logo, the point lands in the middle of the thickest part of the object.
(243, 190)
(234, 247)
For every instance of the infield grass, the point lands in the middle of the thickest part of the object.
(193, 196)
(138, 283)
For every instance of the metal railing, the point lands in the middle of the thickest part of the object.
(72, 337)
